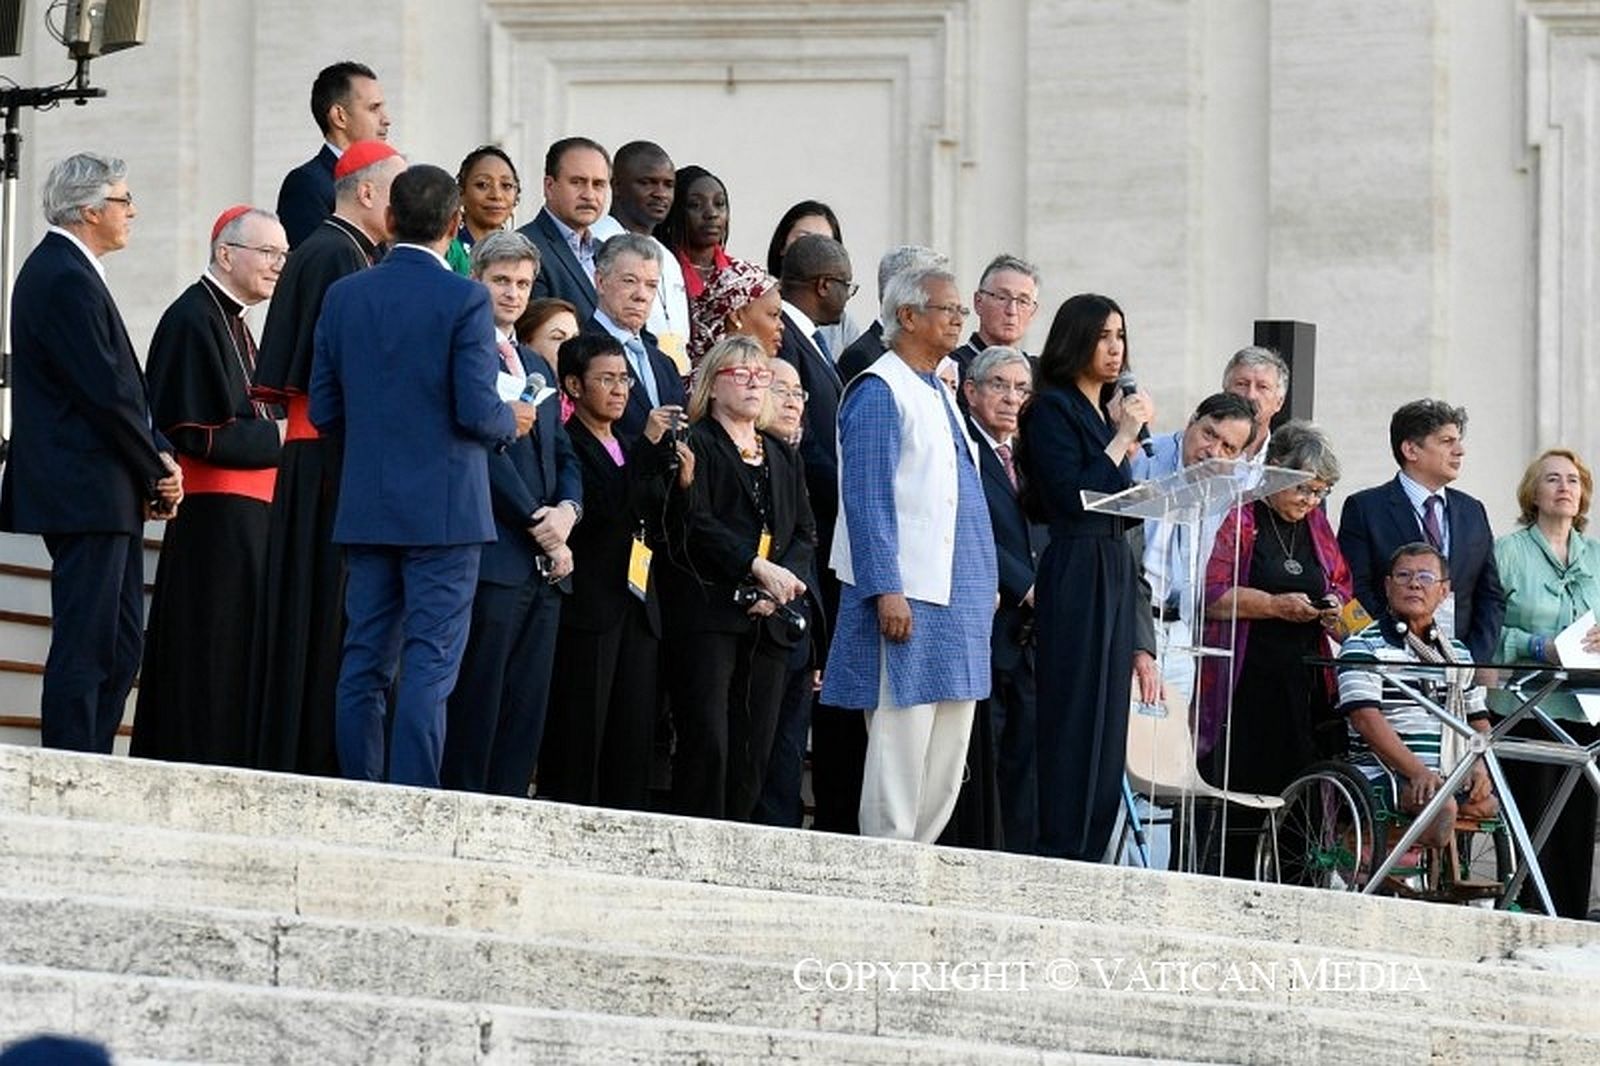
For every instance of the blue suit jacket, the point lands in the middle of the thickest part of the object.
(306, 196)
(1378, 520)
(669, 386)
(1018, 544)
(83, 457)
(819, 444)
(536, 471)
(404, 371)
(559, 273)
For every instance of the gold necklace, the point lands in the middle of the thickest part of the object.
(756, 454)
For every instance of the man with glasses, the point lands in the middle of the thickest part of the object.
(1006, 299)
(1426, 437)
(627, 275)
(213, 561)
(999, 382)
(1389, 731)
(915, 554)
(85, 467)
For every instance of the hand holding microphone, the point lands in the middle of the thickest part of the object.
(1133, 410)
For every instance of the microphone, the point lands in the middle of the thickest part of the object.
(536, 391)
(1129, 386)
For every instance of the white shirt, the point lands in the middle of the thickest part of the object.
(94, 260)
(1418, 495)
(424, 248)
(804, 324)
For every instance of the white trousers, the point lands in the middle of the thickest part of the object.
(916, 757)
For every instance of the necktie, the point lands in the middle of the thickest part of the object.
(643, 372)
(1430, 522)
(822, 345)
(1004, 452)
(508, 355)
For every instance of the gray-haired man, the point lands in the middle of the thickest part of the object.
(85, 467)
(627, 274)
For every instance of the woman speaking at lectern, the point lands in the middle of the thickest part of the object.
(1077, 435)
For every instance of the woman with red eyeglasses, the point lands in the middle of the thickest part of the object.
(725, 589)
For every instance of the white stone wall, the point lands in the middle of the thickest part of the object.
(1382, 170)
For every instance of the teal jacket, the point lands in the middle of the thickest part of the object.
(1542, 597)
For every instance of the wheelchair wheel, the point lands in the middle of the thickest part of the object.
(1325, 835)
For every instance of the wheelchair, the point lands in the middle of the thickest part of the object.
(1333, 832)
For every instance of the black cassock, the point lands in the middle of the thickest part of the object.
(300, 619)
(193, 688)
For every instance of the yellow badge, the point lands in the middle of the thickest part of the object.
(764, 545)
(639, 568)
(672, 346)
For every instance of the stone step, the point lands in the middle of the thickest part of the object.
(21, 687)
(24, 635)
(588, 975)
(799, 935)
(409, 823)
(183, 1021)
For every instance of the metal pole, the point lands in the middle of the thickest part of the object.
(8, 250)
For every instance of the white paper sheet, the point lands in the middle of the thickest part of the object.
(509, 386)
(1569, 645)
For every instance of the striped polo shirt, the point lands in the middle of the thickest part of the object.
(1360, 688)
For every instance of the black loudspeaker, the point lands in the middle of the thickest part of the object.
(13, 13)
(12, 16)
(1297, 343)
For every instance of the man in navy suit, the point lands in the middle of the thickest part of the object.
(1426, 438)
(627, 274)
(497, 711)
(577, 187)
(85, 468)
(405, 373)
(999, 381)
(1005, 302)
(347, 102)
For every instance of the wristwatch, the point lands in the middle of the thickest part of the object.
(577, 510)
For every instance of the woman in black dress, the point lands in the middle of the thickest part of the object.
(1076, 435)
(748, 528)
(603, 697)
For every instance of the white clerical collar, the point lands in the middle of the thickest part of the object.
(244, 305)
(94, 260)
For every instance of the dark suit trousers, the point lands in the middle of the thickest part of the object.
(406, 609)
(97, 636)
(497, 711)
(781, 803)
(602, 716)
(725, 693)
(1012, 714)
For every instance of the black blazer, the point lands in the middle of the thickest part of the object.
(534, 471)
(617, 501)
(1018, 544)
(861, 352)
(819, 441)
(306, 196)
(1378, 520)
(560, 275)
(83, 458)
(713, 546)
(669, 386)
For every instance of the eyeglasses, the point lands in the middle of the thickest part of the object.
(761, 376)
(1006, 388)
(949, 310)
(1306, 492)
(1021, 303)
(125, 201)
(850, 287)
(611, 381)
(1425, 578)
(274, 255)
(785, 393)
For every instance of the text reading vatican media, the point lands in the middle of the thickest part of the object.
(1110, 973)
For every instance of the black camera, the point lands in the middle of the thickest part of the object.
(794, 622)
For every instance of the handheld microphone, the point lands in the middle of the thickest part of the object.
(536, 391)
(1128, 385)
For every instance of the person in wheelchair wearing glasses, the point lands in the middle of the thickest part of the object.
(1391, 735)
